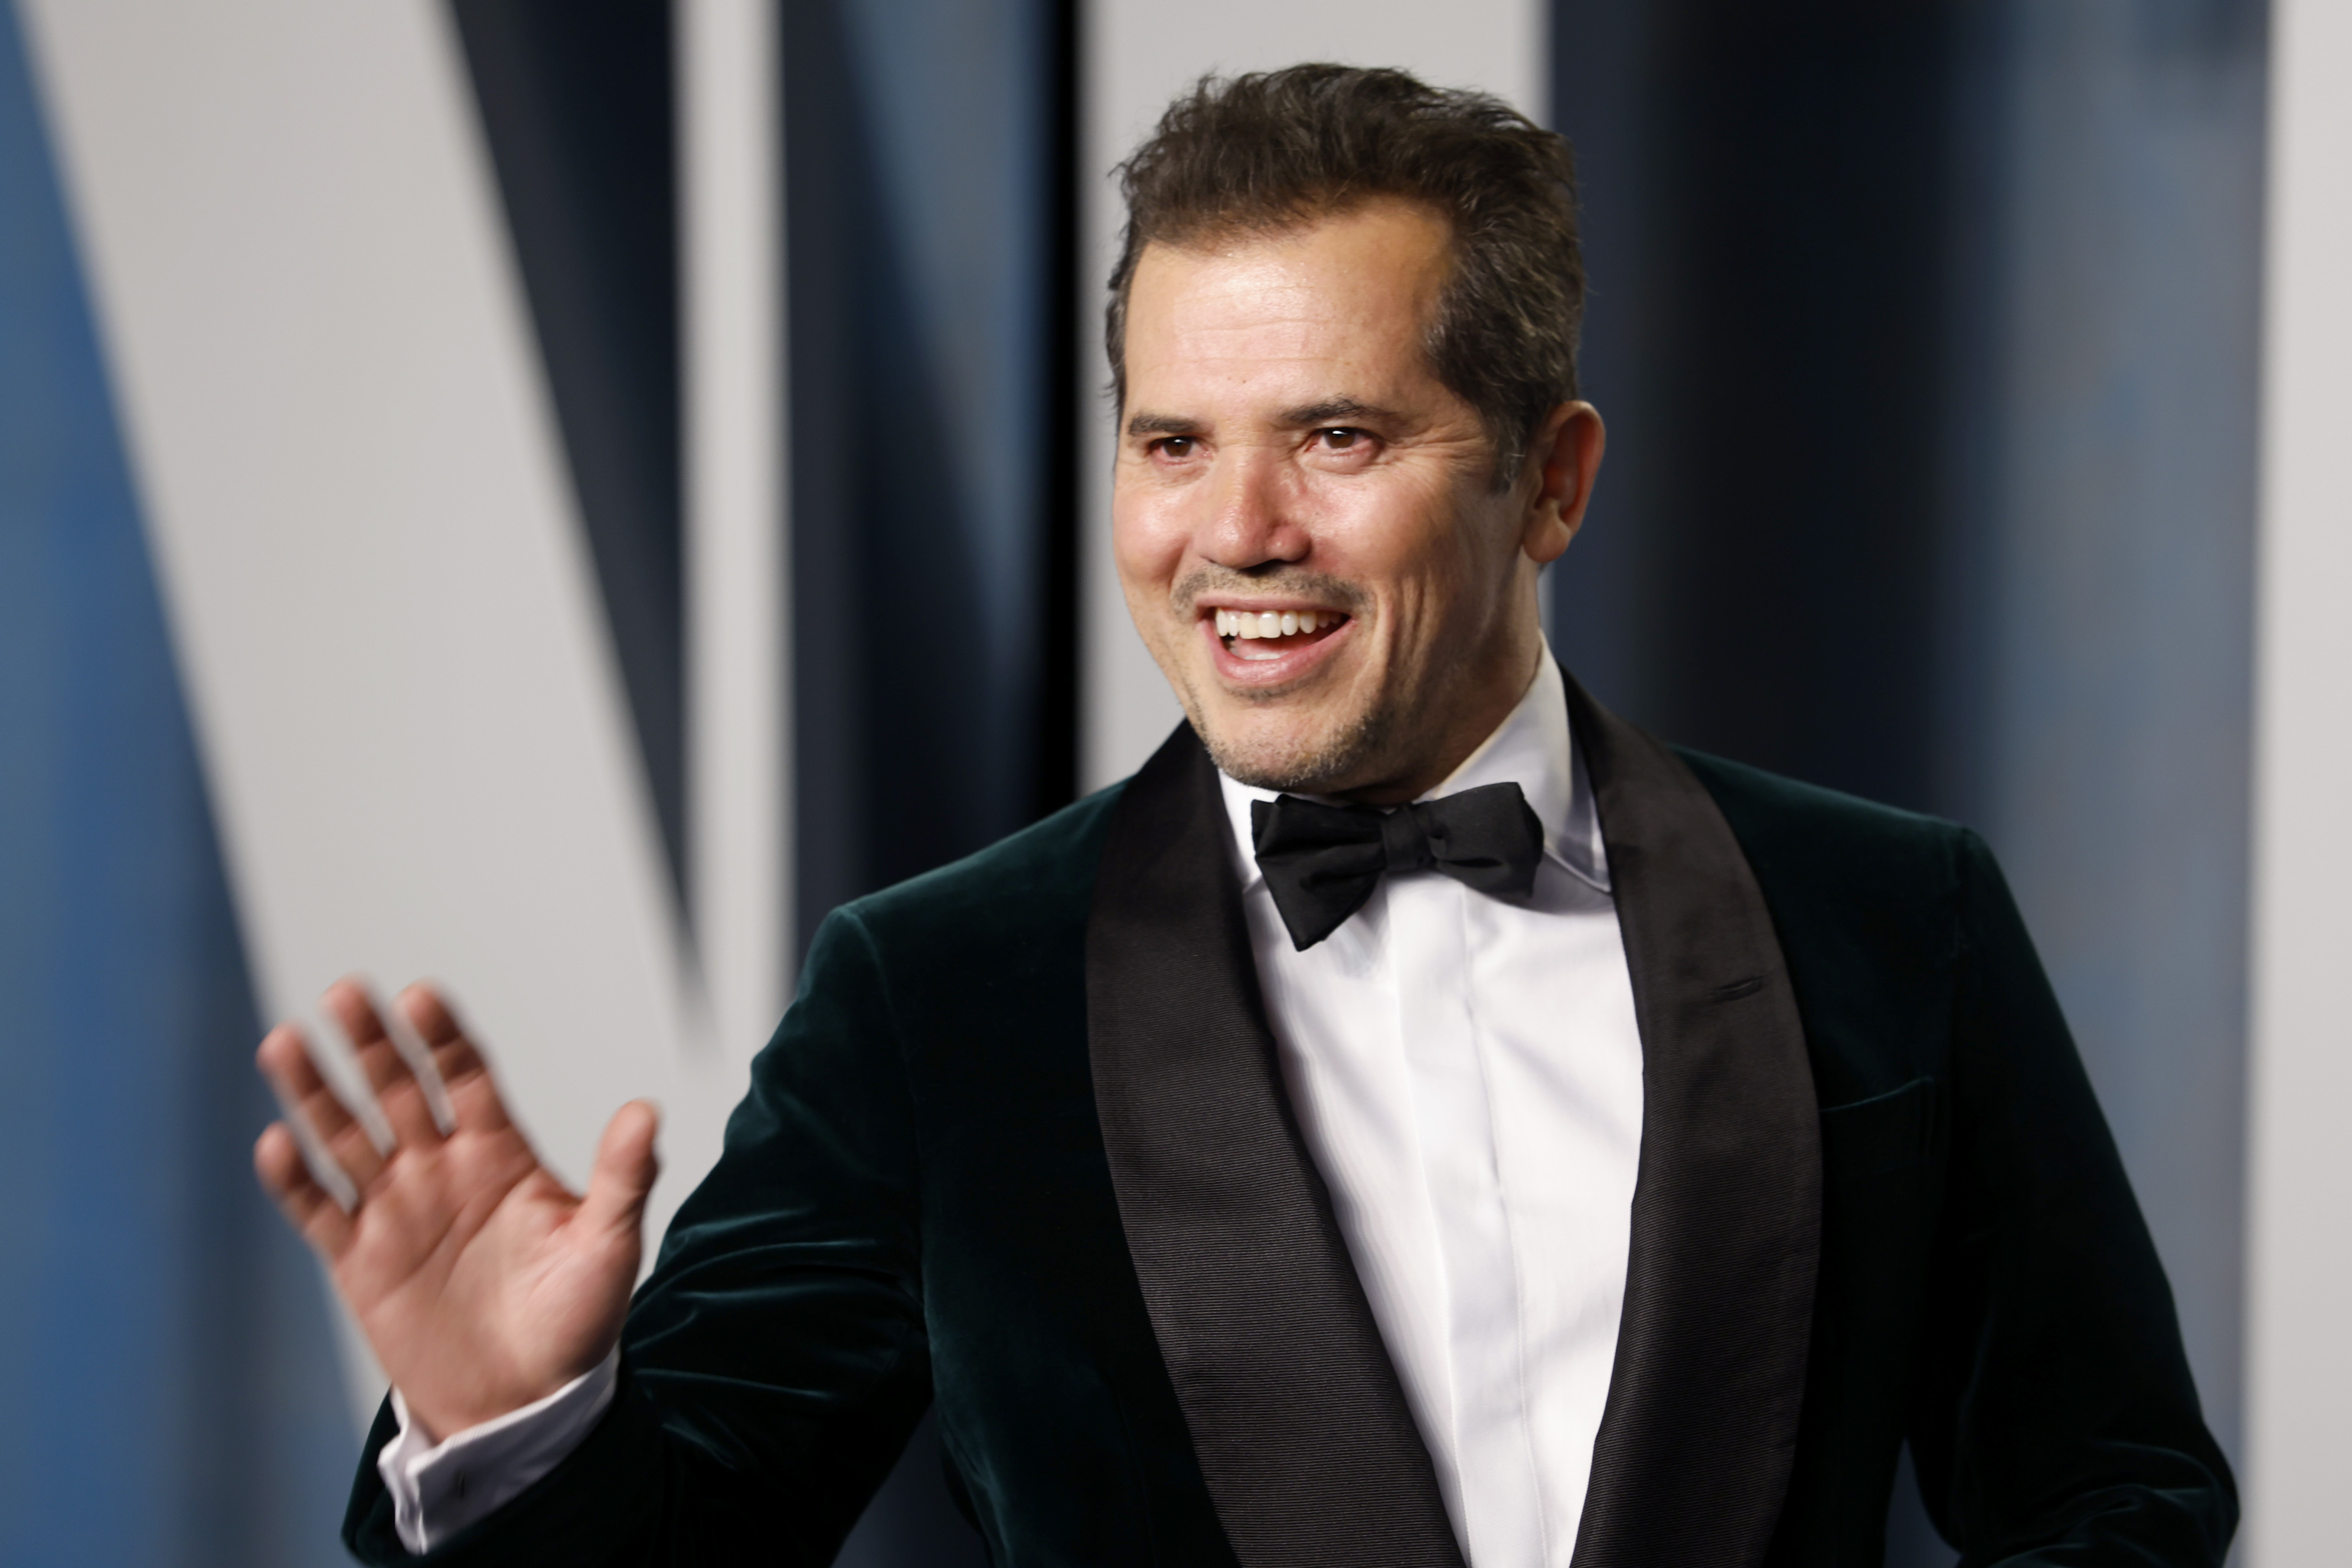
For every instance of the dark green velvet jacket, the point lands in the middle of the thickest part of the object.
(1019, 1151)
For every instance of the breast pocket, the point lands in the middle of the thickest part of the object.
(1876, 1137)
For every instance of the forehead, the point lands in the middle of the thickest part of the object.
(1345, 295)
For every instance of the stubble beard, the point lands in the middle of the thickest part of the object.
(1321, 765)
(1350, 750)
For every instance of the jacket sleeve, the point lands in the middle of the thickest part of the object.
(2053, 1420)
(775, 1360)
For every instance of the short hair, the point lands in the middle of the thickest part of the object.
(1277, 150)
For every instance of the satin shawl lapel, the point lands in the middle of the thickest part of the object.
(1297, 1418)
(1700, 1426)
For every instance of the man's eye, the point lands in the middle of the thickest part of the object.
(1173, 445)
(1340, 439)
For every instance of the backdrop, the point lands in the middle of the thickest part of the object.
(348, 534)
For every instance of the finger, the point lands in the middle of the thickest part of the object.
(418, 1056)
(321, 1166)
(318, 1116)
(407, 1111)
(623, 1176)
(314, 1212)
(474, 1100)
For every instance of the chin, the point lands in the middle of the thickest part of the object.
(1298, 758)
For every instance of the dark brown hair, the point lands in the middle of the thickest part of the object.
(1274, 150)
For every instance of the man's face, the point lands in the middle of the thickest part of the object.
(1290, 466)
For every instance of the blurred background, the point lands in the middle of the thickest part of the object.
(555, 495)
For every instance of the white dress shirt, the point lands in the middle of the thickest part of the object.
(1467, 1074)
(439, 1488)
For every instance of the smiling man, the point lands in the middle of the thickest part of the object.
(1418, 1118)
(1289, 451)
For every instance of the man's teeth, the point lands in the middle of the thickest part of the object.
(1242, 624)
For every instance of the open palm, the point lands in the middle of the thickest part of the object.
(481, 1281)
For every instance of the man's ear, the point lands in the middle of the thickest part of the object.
(1566, 458)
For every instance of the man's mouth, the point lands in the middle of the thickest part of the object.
(1264, 635)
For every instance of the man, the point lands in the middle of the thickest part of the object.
(1418, 1118)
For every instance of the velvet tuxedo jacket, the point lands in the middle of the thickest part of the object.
(1021, 1150)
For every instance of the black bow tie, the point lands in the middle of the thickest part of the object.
(1321, 862)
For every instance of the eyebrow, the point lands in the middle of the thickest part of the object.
(1162, 425)
(1307, 416)
(1330, 411)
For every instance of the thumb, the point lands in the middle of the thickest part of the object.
(624, 1170)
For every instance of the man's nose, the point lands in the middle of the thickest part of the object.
(1253, 517)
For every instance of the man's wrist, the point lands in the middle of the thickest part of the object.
(438, 1488)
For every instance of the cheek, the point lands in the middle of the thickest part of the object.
(1401, 539)
(1147, 540)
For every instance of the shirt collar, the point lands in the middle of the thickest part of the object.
(1533, 747)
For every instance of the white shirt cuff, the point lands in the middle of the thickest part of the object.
(439, 1488)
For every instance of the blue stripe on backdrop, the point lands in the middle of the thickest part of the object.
(168, 1386)
(927, 362)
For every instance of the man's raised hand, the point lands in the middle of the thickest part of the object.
(481, 1281)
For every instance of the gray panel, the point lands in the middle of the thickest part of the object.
(1929, 338)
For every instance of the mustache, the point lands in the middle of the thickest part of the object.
(1336, 593)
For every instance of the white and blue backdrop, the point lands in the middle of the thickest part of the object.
(554, 496)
